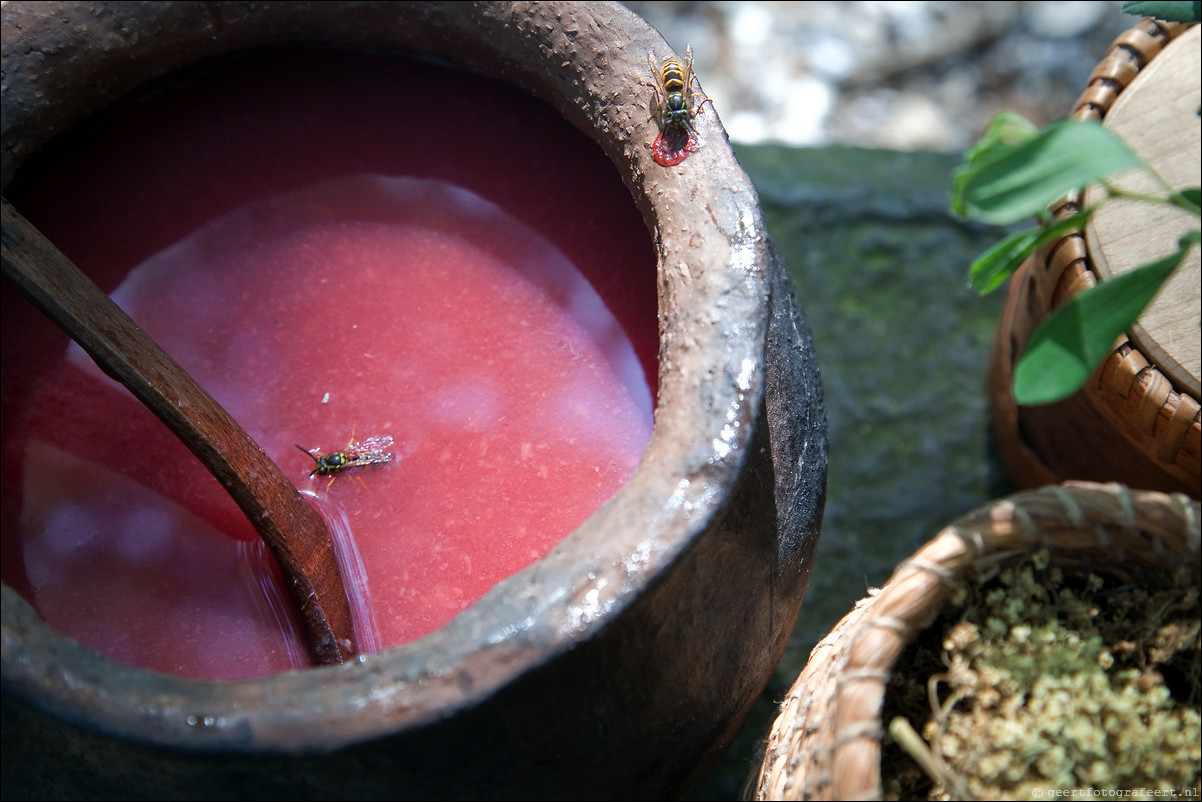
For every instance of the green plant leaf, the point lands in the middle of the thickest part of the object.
(1006, 127)
(1188, 199)
(1165, 10)
(993, 267)
(1019, 181)
(1066, 348)
(1007, 130)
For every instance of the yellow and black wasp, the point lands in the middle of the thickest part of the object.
(676, 105)
(371, 451)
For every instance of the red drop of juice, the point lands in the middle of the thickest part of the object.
(673, 146)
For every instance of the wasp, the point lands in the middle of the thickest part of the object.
(677, 105)
(371, 451)
(675, 101)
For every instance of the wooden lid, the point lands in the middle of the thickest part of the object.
(1157, 115)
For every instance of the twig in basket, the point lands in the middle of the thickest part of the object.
(905, 736)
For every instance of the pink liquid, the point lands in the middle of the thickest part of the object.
(454, 294)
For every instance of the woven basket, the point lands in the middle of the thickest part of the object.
(826, 742)
(1137, 420)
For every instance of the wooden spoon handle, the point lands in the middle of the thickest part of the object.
(292, 529)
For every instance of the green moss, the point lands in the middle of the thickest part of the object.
(1051, 681)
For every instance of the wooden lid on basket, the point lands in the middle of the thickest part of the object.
(1137, 419)
(1126, 234)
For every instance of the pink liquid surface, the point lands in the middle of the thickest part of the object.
(398, 287)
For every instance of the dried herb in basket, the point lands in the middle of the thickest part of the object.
(1047, 680)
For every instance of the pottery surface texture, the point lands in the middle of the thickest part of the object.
(621, 664)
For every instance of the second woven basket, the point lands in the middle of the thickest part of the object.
(827, 740)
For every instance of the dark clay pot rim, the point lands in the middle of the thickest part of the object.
(589, 61)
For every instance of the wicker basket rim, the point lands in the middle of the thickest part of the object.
(1156, 419)
(826, 742)
(1134, 50)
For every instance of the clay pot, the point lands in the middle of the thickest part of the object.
(621, 664)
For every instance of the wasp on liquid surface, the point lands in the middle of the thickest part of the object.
(676, 105)
(373, 450)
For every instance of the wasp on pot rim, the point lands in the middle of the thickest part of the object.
(676, 105)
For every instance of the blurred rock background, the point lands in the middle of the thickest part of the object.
(900, 75)
(850, 118)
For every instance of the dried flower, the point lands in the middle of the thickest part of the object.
(1062, 686)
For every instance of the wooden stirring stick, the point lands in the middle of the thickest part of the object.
(292, 529)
